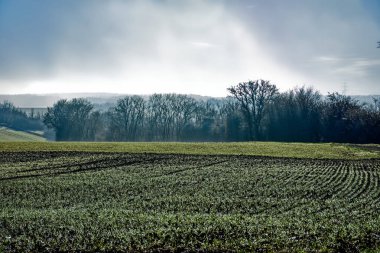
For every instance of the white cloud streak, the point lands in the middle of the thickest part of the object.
(201, 47)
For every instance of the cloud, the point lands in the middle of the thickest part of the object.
(348, 66)
(191, 46)
(328, 41)
(327, 59)
(202, 44)
(356, 67)
(132, 46)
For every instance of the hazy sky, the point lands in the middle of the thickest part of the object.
(195, 46)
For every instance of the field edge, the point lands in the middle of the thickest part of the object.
(266, 149)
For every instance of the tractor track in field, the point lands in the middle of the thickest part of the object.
(109, 196)
(324, 178)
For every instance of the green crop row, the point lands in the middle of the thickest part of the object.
(90, 202)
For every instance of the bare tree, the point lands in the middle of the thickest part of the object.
(295, 115)
(158, 117)
(183, 108)
(376, 102)
(69, 119)
(127, 118)
(12, 117)
(253, 97)
(169, 115)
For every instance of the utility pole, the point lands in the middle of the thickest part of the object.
(344, 91)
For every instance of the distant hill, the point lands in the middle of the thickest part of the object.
(7, 134)
(43, 101)
(366, 99)
(102, 101)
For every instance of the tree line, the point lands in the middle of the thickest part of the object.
(12, 117)
(254, 110)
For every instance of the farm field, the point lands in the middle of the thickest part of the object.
(271, 149)
(9, 135)
(70, 200)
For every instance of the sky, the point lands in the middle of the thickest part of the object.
(188, 46)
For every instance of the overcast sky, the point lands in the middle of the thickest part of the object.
(195, 46)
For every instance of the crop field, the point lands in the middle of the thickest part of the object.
(64, 201)
(7, 135)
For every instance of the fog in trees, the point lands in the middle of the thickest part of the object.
(12, 117)
(254, 110)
